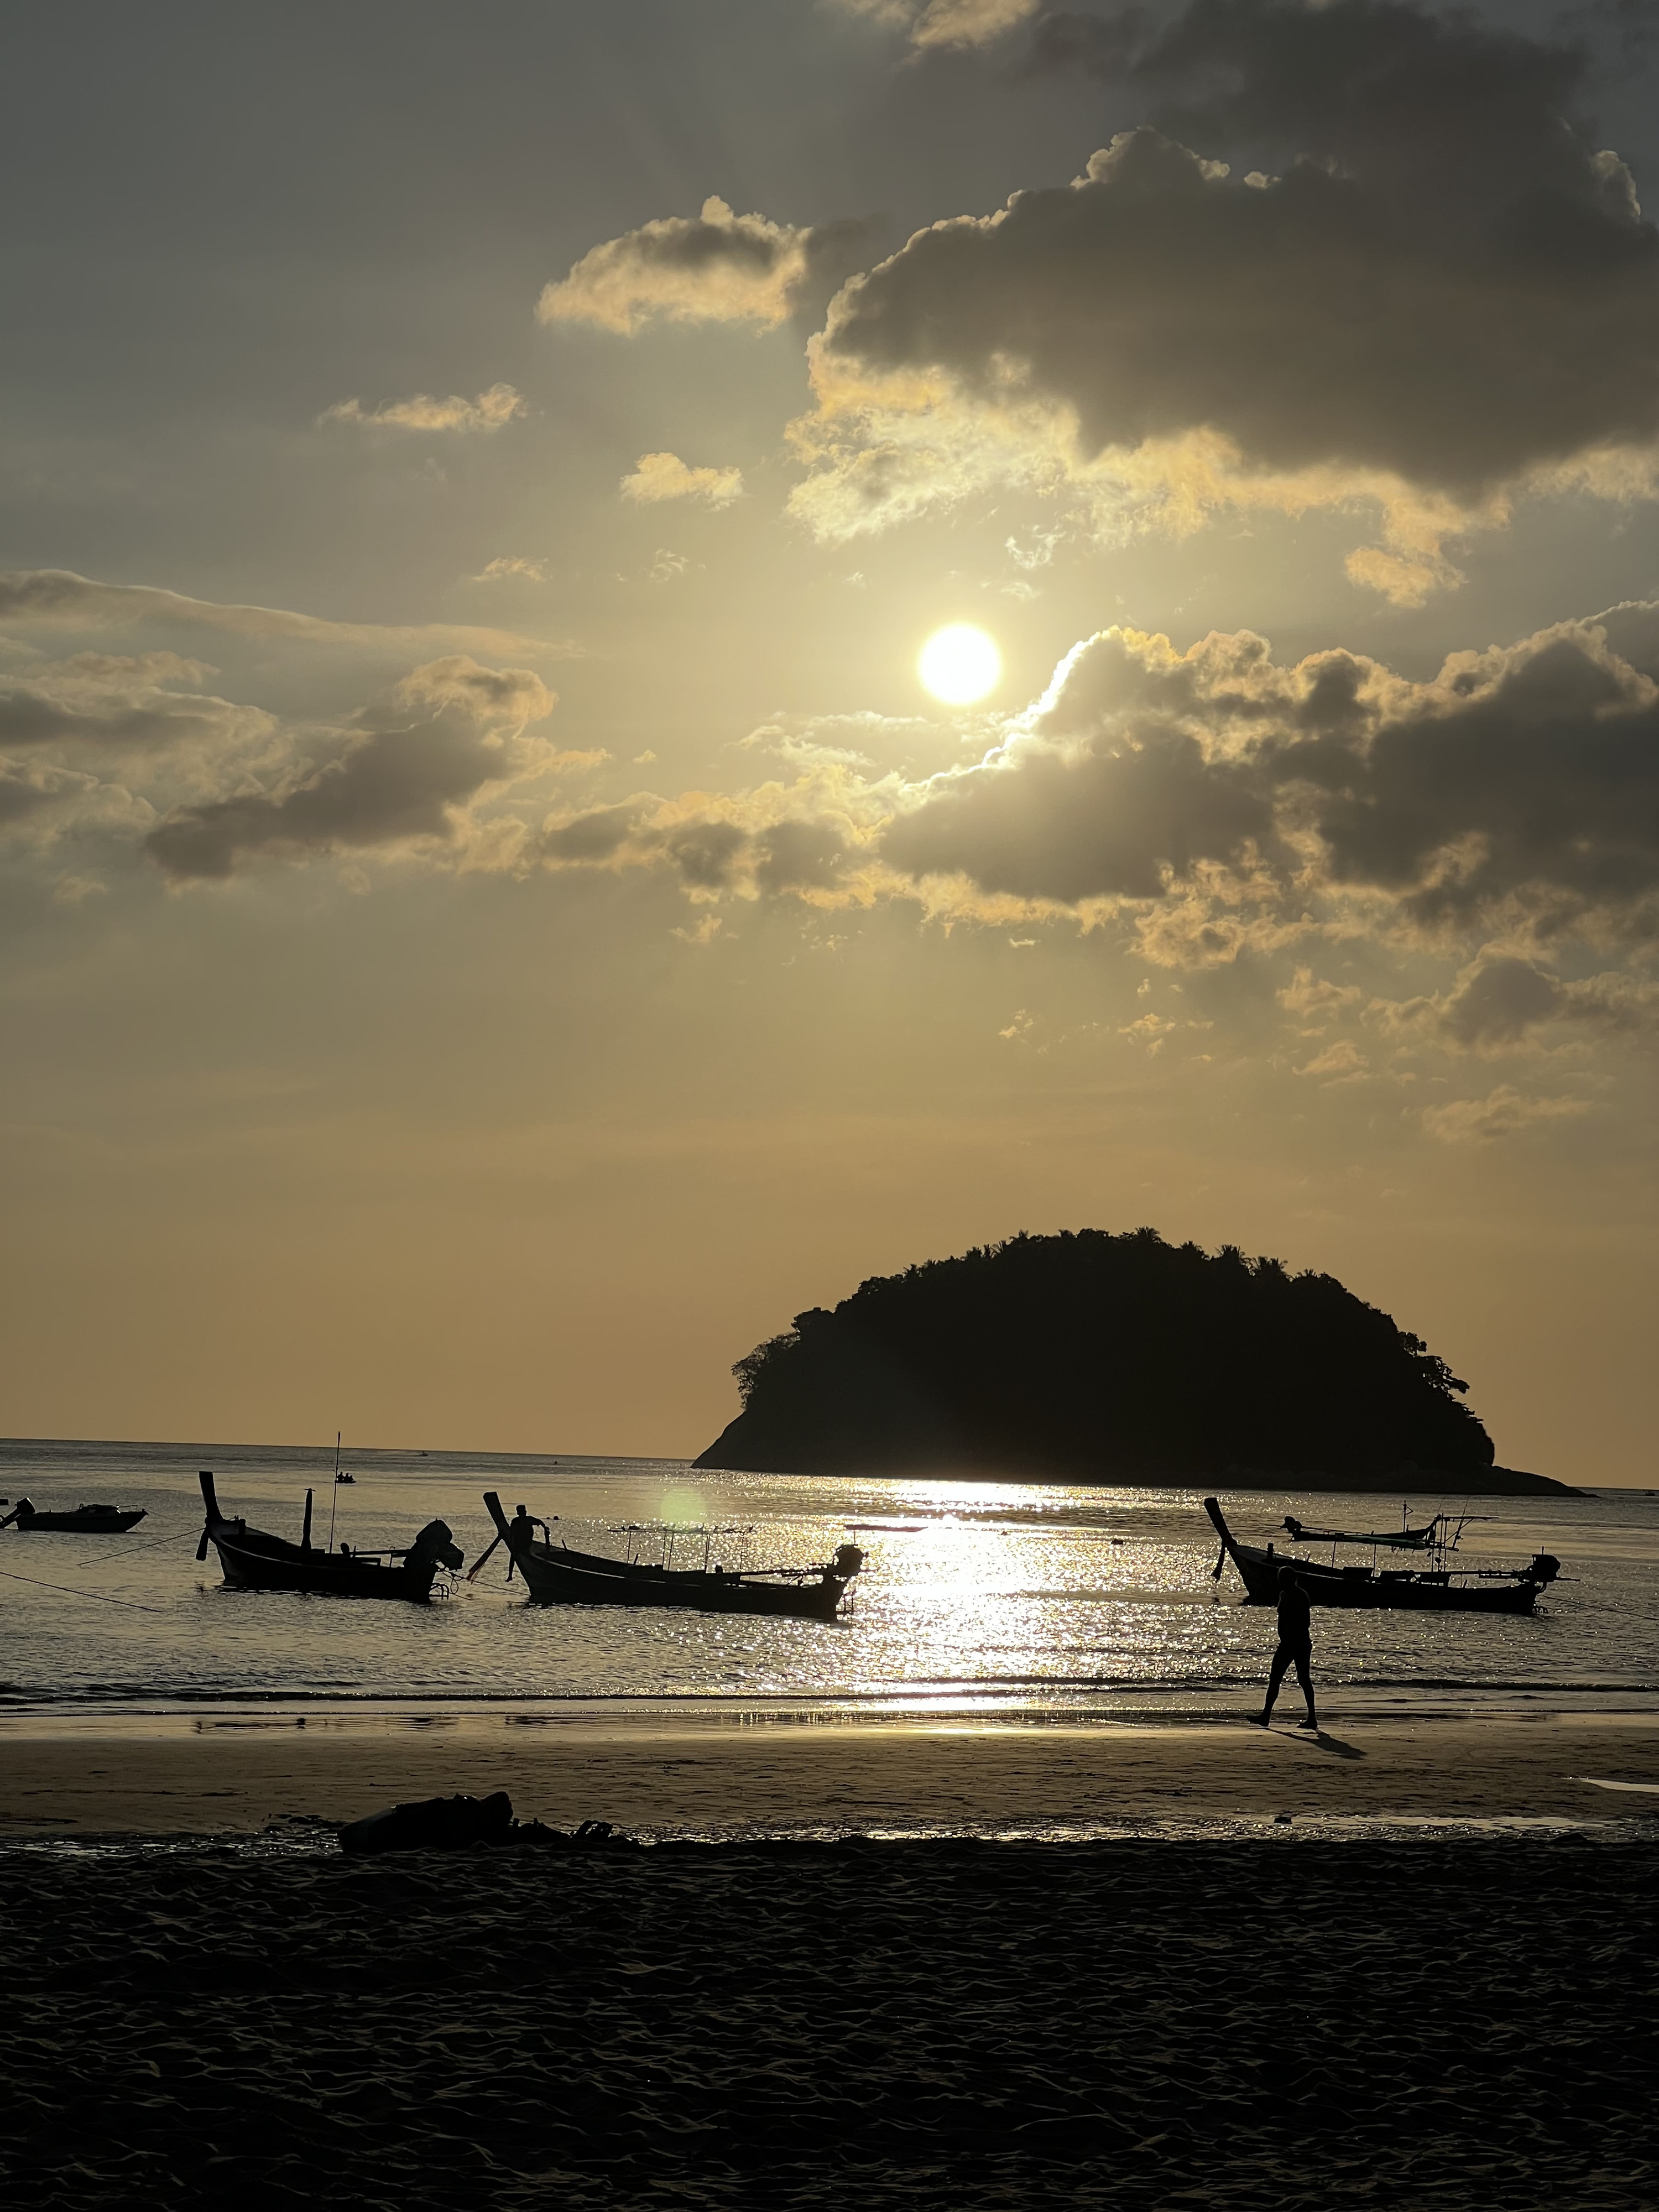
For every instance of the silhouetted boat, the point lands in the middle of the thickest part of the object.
(555, 1575)
(254, 1560)
(85, 1521)
(1420, 1590)
(1391, 1540)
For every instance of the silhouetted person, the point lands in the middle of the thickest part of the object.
(1295, 1647)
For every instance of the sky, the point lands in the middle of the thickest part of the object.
(492, 919)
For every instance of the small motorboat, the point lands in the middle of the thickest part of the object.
(254, 1560)
(85, 1521)
(555, 1575)
(1440, 1588)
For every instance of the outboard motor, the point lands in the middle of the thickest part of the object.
(436, 1541)
(1544, 1569)
(845, 1564)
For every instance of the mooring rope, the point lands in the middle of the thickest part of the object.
(131, 1550)
(98, 1597)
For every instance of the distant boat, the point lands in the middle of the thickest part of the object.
(85, 1521)
(1393, 1539)
(254, 1560)
(1420, 1590)
(555, 1575)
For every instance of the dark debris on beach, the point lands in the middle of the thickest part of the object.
(1239, 2024)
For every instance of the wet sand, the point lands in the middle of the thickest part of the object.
(1298, 2026)
(205, 1776)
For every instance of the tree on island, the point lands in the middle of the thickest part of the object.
(1086, 1356)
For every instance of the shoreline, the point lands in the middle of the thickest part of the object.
(215, 1773)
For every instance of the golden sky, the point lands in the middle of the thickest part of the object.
(501, 909)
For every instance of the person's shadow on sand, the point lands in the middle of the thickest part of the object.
(1334, 1745)
(1321, 1739)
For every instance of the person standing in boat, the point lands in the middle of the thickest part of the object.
(1295, 1647)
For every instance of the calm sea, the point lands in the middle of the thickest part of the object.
(996, 1600)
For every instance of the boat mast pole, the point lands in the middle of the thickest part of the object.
(334, 1494)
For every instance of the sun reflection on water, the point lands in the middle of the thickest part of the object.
(975, 1596)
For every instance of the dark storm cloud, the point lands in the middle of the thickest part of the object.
(406, 770)
(1525, 780)
(1447, 280)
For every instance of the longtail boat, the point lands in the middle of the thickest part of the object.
(1420, 1590)
(555, 1575)
(254, 1560)
(84, 1521)
(1392, 1540)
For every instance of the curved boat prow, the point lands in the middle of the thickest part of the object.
(210, 1507)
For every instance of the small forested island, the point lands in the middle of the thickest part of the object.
(1090, 1357)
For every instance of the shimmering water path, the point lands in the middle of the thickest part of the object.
(1001, 1601)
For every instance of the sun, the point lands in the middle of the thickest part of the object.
(959, 663)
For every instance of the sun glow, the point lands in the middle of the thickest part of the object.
(959, 663)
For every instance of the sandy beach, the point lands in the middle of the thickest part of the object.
(1278, 2023)
(213, 1775)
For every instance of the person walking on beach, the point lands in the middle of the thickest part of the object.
(1295, 1647)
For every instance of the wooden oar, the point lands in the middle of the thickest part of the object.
(472, 1573)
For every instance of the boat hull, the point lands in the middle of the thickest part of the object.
(253, 1559)
(1402, 1590)
(1363, 1588)
(553, 1581)
(553, 1575)
(78, 1524)
(320, 1574)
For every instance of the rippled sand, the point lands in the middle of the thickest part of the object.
(1276, 2023)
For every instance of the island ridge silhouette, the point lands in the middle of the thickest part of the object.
(1089, 1356)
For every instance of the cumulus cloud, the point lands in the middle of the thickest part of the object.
(112, 701)
(1502, 1002)
(1341, 1062)
(1313, 1001)
(1213, 804)
(1444, 290)
(810, 839)
(664, 476)
(491, 411)
(929, 25)
(1502, 1113)
(405, 770)
(30, 788)
(1521, 782)
(511, 564)
(714, 267)
(35, 598)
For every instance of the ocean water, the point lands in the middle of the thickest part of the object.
(1020, 1602)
